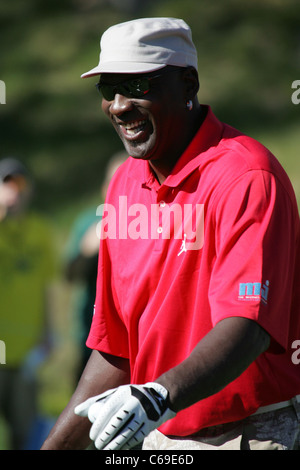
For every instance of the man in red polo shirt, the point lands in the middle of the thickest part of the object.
(197, 309)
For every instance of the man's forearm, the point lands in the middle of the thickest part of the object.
(102, 372)
(217, 360)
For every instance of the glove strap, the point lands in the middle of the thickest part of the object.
(162, 391)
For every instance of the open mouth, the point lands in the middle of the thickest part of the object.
(134, 130)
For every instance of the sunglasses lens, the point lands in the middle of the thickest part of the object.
(138, 87)
(107, 91)
(133, 88)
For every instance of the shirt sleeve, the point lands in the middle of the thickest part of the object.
(108, 332)
(255, 242)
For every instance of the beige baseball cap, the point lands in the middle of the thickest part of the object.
(144, 45)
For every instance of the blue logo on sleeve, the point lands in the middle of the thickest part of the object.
(254, 291)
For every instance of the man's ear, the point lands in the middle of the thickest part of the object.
(191, 79)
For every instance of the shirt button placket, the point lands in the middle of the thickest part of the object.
(161, 204)
(159, 241)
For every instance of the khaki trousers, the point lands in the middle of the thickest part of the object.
(273, 430)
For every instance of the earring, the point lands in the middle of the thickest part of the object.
(189, 105)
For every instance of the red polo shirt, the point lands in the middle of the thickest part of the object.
(217, 239)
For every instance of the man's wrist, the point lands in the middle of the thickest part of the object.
(163, 389)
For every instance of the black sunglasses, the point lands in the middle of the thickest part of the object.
(133, 88)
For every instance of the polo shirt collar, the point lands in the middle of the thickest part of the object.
(208, 135)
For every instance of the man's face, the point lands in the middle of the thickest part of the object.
(150, 126)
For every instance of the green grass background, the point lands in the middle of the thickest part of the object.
(249, 55)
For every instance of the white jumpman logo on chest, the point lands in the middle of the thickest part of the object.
(183, 248)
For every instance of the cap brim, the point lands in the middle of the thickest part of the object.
(122, 67)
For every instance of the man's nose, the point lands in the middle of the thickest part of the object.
(120, 104)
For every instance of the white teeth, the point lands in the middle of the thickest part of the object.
(133, 127)
(131, 132)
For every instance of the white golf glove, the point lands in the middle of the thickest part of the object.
(124, 416)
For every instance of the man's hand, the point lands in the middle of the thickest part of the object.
(124, 416)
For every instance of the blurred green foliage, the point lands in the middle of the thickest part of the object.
(249, 54)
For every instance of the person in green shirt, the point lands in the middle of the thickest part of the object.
(26, 267)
